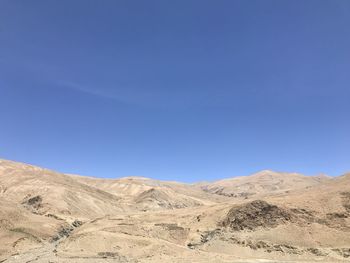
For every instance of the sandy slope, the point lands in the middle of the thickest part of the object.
(51, 217)
(60, 194)
(134, 186)
(264, 182)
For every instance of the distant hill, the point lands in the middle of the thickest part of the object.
(264, 182)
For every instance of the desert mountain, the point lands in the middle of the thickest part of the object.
(128, 188)
(46, 216)
(47, 192)
(264, 182)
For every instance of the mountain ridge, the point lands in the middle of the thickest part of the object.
(47, 216)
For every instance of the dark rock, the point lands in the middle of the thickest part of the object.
(34, 202)
(66, 230)
(191, 246)
(316, 251)
(208, 235)
(77, 223)
(107, 254)
(344, 252)
(256, 214)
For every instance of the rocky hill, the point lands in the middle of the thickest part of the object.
(46, 216)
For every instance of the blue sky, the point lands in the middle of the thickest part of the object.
(176, 90)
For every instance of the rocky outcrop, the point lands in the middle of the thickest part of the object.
(66, 230)
(255, 214)
(33, 204)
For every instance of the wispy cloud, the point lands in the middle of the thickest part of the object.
(144, 97)
(93, 91)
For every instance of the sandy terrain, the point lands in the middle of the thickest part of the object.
(47, 216)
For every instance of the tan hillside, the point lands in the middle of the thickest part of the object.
(130, 187)
(47, 216)
(46, 192)
(264, 182)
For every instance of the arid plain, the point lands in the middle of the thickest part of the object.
(46, 216)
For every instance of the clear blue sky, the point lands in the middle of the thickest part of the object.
(176, 90)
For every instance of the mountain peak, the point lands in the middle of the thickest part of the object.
(266, 172)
